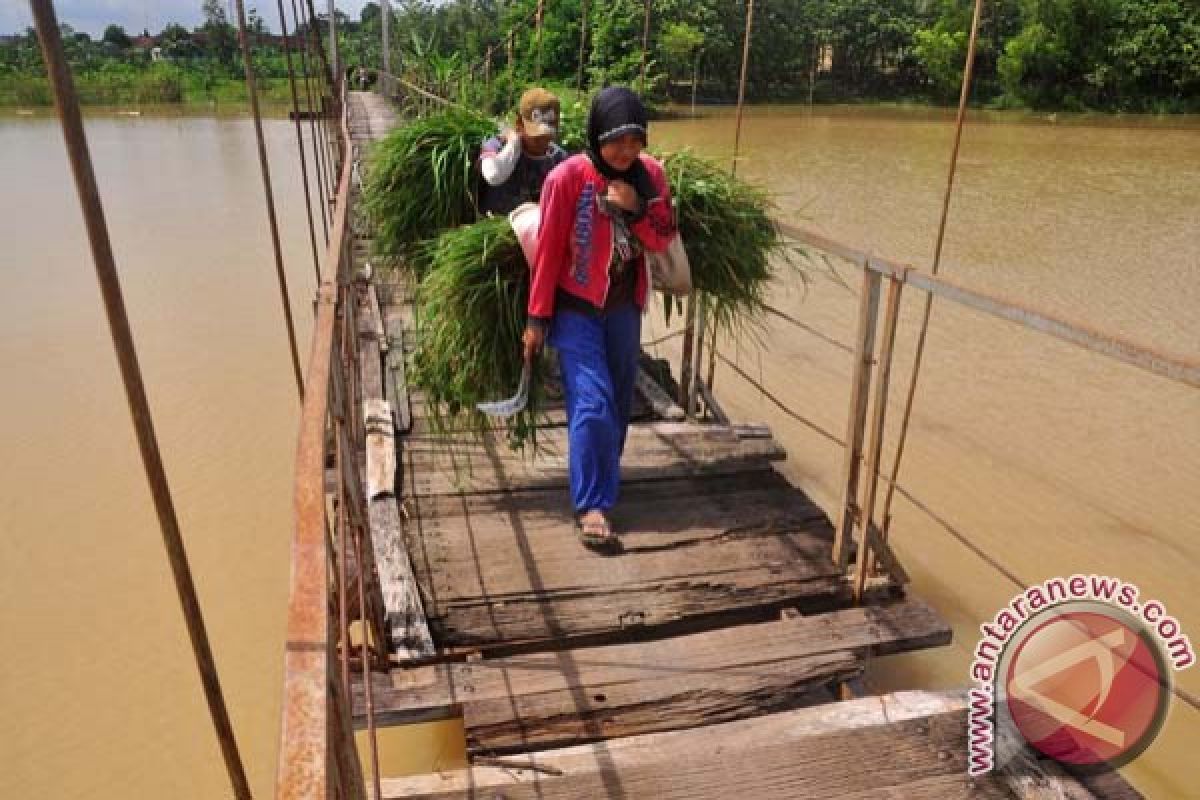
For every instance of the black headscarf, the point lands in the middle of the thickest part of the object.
(615, 112)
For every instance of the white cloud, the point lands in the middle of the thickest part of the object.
(134, 15)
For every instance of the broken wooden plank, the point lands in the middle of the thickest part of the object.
(653, 451)
(908, 745)
(543, 700)
(396, 383)
(656, 397)
(403, 610)
(508, 567)
(381, 447)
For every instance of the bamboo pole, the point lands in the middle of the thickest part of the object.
(280, 275)
(856, 416)
(875, 443)
(67, 103)
(968, 71)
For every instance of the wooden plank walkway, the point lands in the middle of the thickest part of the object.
(698, 661)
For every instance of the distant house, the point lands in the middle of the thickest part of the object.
(144, 42)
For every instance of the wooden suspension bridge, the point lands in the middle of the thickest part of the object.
(435, 574)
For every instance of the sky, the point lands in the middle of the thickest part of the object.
(134, 15)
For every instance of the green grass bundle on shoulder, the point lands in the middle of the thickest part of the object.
(470, 316)
(733, 245)
(422, 179)
(472, 299)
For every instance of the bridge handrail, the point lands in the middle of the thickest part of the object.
(1168, 365)
(317, 755)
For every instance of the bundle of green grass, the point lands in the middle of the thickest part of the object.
(421, 179)
(733, 245)
(473, 297)
(470, 316)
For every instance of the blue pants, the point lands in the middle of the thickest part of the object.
(598, 357)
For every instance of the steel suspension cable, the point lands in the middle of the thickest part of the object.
(965, 92)
(312, 231)
(737, 144)
(645, 48)
(302, 21)
(67, 102)
(583, 29)
(244, 38)
(316, 101)
(539, 21)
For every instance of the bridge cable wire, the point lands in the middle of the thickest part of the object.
(737, 145)
(312, 230)
(320, 130)
(968, 71)
(244, 38)
(67, 102)
(301, 21)
(987, 558)
(645, 50)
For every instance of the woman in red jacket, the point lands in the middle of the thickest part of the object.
(600, 211)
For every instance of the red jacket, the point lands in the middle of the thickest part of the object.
(575, 240)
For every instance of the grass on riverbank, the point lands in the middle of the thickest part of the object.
(143, 89)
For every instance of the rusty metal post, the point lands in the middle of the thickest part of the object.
(875, 444)
(868, 310)
(67, 103)
(280, 275)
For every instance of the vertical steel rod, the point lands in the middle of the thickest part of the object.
(538, 22)
(301, 20)
(386, 8)
(67, 103)
(968, 71)
(583, 28)
(645, 48)
(737, 130)
(270, 197)
(312, 230)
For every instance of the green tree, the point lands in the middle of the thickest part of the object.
(115, 35)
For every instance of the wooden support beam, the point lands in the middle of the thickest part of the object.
(878, 418)
(868, 310)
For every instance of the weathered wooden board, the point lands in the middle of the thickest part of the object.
(507, 567)
(910, 745)
(404, 614)
(396, 377)
(439, 465)
(542, 700)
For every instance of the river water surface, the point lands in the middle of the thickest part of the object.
(1050, 460)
